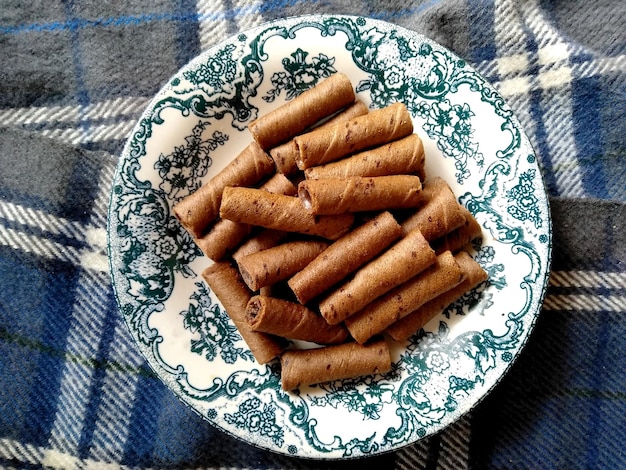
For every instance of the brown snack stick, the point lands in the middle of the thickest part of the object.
(196, 211)
(226, 235)
(330, 196)
(378, 127)
(402, 329)
(458, 238)
(275, 264)
(440, 212)
(293, 117)
(402, 156)
(263, 240)
(226, 283)
(399, 263)
(301, 367)
(284, 155)
(291, 320)
(280, 212)
(399, 302)
(344, 256)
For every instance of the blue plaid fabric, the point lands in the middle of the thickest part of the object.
(74, 78)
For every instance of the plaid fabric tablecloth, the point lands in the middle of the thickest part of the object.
(74, 78)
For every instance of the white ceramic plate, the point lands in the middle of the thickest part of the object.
(197, 124)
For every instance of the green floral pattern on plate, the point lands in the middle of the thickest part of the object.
(197, 123)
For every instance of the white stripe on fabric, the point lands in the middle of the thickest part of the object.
(83, 340)
(588, 279)
(20, 451)
(115, 410)
(593, 303)
(212, 22)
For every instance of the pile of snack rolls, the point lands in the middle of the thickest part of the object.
(325, 229)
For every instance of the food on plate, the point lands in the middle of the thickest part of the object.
(293, 117)
(329, 196)
(375, 317)
(201, 208)
(279, 212)
(354, 247)
(402, 261)
(377, 127)
(343, 361)
(272, 265)
(399, 157)
(226, 283)
(291, 320)
(402, 329)
(345, 256)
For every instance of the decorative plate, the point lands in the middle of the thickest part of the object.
(198, 122)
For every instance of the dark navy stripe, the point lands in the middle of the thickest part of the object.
(481, 26)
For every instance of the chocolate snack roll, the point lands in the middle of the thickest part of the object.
(403, 156)
(375, 128)
(399, 302)
(293, 117)
(275, 264)
(291, 320)
(331, 196)
(458, 238)
(401, 262)
(196, 211)
(402, 329)
(344, 256)
(226, 283)
(280, 212)
(312, 366)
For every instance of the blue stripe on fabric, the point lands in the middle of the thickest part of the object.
(481, 26)
(79, 75)
(541, 143)
(111, 319)
(587, 121)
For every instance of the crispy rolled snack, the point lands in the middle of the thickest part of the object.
(291, 320)
(375, 128)
(330, 196)
(458, 238)
(201, 208)
(401, 262)
(440, 212)
(399, 302)
(344, 256)
(226, 283)
(311, 366)
(284, 155)
(280, 212)
(263, 240)
(402, 329)
(293, 117)
(267, 267)
(403, 156)
(226, 235)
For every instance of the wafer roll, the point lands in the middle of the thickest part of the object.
(225, 235)
(344, 256)
(405, 259)
(458, 238)
(293, 117)
(280, 212)
(266, 238)
(201, 208)
(311, 366)
(330, 196)
(291, 320)
(226, 283)
(440, 212)
(284, 155)
(399, 302)
(403, 156)
(278, 263)
(375, 128)
(402, 329)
